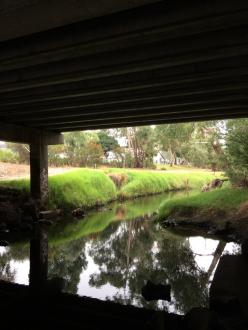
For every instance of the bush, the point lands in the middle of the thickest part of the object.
(237, 152)
(8, 156)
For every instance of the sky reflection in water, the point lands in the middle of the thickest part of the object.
(116, 262)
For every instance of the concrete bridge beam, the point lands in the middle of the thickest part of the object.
(39, 171)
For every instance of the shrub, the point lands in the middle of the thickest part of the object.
(8, 156)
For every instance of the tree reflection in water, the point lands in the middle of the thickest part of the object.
(6, 273)
(68, 261)
(126, 254)
(133, 252)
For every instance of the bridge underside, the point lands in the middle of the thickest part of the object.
(169, 61)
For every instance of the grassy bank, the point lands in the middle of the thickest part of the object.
(225, 201)
(141, 183)
(87, 188)
(80, 188)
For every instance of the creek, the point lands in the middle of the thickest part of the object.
(114, 251)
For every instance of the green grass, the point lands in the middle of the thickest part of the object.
(141, 183)
(87, 188)
(80, 188)
(225, 199)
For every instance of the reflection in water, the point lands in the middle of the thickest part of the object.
(6, 272)
(104, 257)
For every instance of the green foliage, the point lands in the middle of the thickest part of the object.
(197, 144)
(221, 199)
(8, 156)
(172, 137)
(140, 146)
(81, 149)
(197, 154)
(237, 151)
(56, 155)
(22, 150)
(108, 142)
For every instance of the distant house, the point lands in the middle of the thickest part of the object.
(122, 141)
(164, 157)
(111, 157)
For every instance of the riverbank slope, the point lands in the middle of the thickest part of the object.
(87, 188)
(221, 211)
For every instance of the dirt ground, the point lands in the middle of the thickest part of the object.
(15, 171)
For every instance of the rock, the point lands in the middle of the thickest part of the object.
(49, 214)
(78, 212)
(169, 223)
(216, 183)
(153, 291)
(205, 187)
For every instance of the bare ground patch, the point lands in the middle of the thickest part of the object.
(16, 171)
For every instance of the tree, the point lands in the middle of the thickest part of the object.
(92, 153)
(74, 143)
(172, 137)
(68, 261)
(237, 151)
(6, 273)
(108, 142)
(210, 133)
(140, 146)
(22, 150)
(56, 155)
(82, 148)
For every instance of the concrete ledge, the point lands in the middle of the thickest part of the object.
(22, 134)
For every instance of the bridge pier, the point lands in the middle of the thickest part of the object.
(38, 141)
(39, 171)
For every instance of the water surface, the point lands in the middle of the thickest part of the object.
(112, 252)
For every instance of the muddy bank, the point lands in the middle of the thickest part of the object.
(18, 212)
(228, 225)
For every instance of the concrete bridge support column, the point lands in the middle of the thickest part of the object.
(38, 259)
(39, 171)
